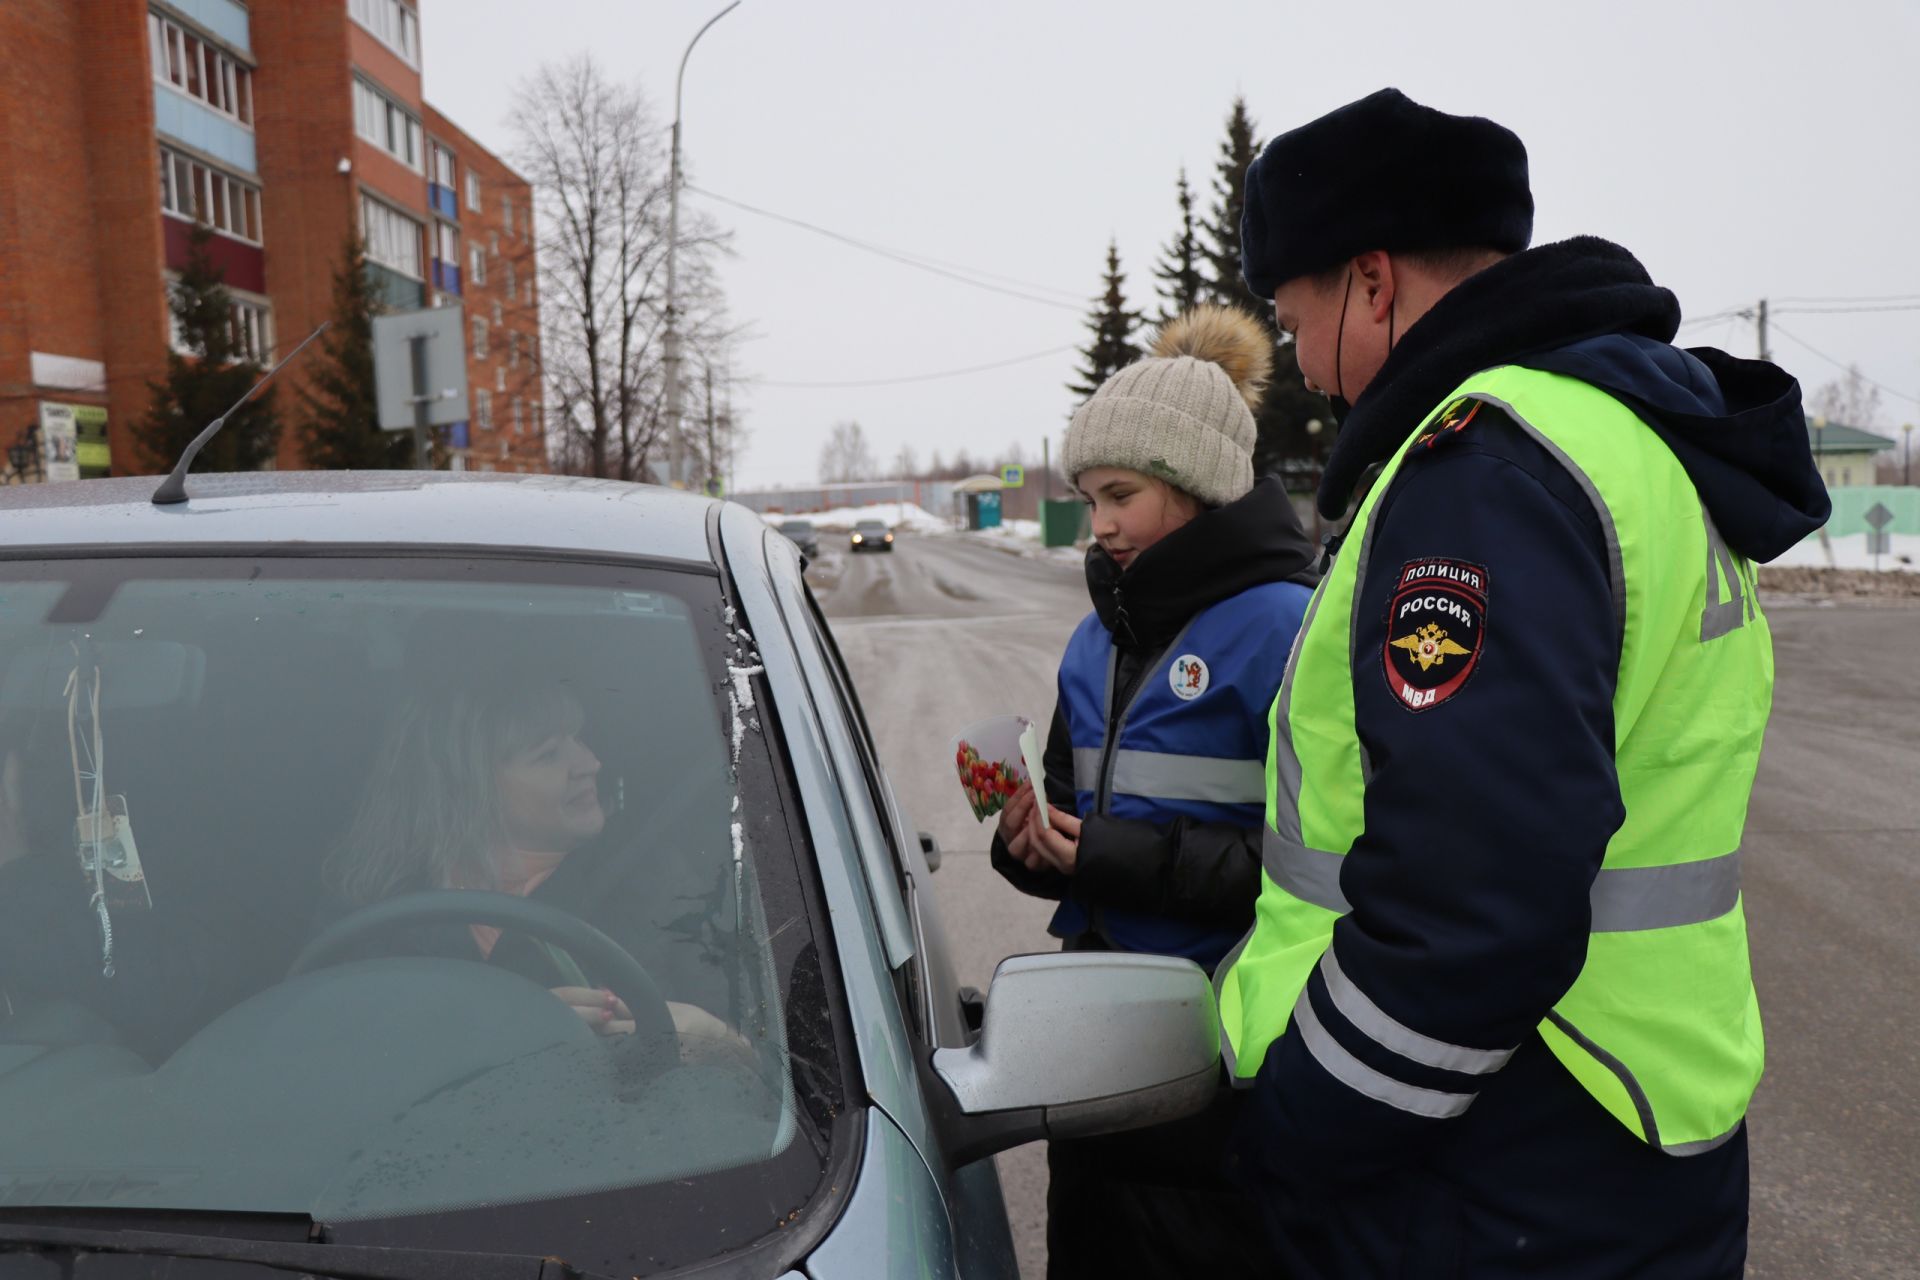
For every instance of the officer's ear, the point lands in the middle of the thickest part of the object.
(1374, 284)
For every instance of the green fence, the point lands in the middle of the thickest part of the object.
(1850, 507)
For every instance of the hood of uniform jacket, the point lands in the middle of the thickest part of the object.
(1219, 553)
(1587, 309)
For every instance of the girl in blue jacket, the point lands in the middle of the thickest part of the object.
(1155, 763)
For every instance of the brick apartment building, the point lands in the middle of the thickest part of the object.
(285, 125)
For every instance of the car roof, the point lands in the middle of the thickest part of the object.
(397, 509)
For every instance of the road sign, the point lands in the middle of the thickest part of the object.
(1878, 517)
(420, 361)
(1013, 476)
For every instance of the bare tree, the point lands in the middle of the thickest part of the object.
(1851, 400)
(846, 455)
(905, 465)
(597, 159)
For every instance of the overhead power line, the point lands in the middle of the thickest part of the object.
(1796, 338)
(920, 377)
(1885, 297)
(906, 259)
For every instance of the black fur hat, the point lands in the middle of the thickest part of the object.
(1381, 173)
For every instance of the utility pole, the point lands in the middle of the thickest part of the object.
(1761, 324)
(670, 343)
(1906, 461)
(713, 465)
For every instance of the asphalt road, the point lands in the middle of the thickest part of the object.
(946, 630)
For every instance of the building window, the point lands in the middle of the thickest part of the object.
(199, 69)
(499, 377)
(393, 23)
(513, 284)
(513, 350)
(201, 193)
(386, 124)
(393, 239)
(483, 408)
(448, 247)
(252, 330)
(473, 191)
(477, 261)
(519, 416)
(479, 338)
(249, 327)
(506, 213)
(443, 167)
(496, 315)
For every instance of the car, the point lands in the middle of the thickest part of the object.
(263, 1033)
(870, 535)
(802, 535)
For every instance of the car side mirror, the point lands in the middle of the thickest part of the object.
(931, 848)
(1079, 1044)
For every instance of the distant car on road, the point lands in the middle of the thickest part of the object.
(800, 533)
(871, 535)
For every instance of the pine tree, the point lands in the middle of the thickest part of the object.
(1113, 326)
(341, 422)
(205, 382)
(1181, 282)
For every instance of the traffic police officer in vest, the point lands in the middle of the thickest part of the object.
(1495, 1016)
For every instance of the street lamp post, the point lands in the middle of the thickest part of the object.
(1906, 461)
(671, 342)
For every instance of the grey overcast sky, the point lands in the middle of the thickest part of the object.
(1766, 148)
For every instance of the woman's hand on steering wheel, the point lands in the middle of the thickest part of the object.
(600, 1009)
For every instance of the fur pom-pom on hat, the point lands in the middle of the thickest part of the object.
(1226, 336)
(1183, 413)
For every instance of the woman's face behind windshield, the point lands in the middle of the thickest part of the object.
(549, 794)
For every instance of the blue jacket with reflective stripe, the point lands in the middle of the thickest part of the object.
(1191, 742)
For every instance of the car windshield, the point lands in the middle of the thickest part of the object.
(871, 526)
(796, 526)
(237, 799)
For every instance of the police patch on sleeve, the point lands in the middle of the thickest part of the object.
(1436, 626)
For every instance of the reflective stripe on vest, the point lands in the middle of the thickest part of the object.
(1212, 779)
(1661, 1026)
(1624, 898)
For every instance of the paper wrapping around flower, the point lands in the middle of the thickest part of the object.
(987, 759)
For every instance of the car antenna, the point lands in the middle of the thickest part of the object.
(174, 488)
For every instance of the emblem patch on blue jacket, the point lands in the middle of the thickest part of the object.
(1189, 677)
(1436, 626)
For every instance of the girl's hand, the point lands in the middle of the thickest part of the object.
(1057, 847)
(1013, 825)
(599, 1008)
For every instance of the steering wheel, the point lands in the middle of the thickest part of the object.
(627, 977)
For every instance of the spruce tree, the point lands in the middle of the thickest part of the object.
(207, 380)
(1283, 443)
(1221, 247)
(1113, 326)
(341, 420)
(1182, 283)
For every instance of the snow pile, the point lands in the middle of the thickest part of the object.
(1850, 552)
(895, 515)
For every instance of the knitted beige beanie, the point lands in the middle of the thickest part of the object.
(1183, 413)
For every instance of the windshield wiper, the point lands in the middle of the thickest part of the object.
(344, 1261)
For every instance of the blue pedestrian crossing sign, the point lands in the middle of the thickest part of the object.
(1013, 476)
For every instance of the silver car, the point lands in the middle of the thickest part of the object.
(409, 875)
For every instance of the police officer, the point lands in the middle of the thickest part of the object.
(1495, 1013)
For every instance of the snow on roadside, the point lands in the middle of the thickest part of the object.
(895, 515)
(1850, 552)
